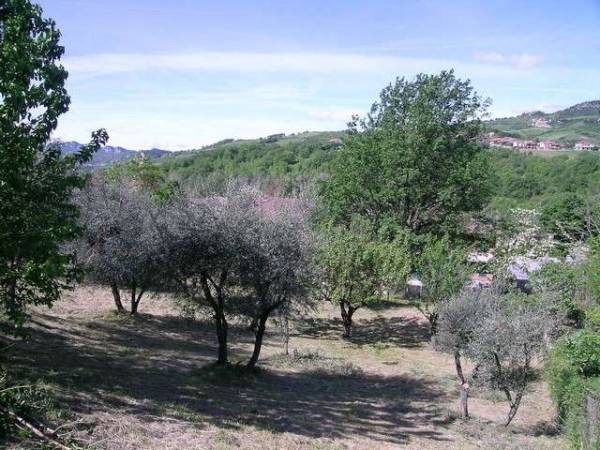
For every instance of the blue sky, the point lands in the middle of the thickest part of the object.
(180, 74)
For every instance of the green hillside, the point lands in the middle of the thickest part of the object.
(291, 157)
(523, 180)
(568, 126)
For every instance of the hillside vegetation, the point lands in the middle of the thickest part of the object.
(521, 179)
(568, 126)
(290, 158)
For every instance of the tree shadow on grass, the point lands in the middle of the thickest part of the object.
(145, 367)
(406, 332)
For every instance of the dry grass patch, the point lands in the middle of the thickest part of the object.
(149, 383)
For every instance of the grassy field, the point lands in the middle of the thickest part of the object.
(147, 383)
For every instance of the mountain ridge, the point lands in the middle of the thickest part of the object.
(109, 155)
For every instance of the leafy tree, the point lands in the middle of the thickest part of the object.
(36, 182)
(119, 246)
(414, 158)
(348, 269)
(354, 266)
(567, 283)
(442, 269)
(563, 216)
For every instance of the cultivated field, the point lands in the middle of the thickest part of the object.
(147, 383)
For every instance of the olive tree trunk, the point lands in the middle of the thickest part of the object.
(463, 388)
(217, 303)
(117, 296)
(347, 311)
(260, 332)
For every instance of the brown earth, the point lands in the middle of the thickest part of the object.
(147, 383)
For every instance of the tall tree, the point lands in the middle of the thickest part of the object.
(36, 212)
(415, 158)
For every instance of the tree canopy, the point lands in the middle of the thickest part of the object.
(415, 158)
(36, 182)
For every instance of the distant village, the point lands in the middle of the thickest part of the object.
(520, 268)
(494, 140)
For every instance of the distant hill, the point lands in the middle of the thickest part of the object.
(568, 126)
(305, 155)
(108, 155)
(294, 156)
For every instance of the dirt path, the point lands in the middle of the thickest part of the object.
(145, 384)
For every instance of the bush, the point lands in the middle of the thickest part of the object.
(573, 371)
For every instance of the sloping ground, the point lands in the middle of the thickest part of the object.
(146, 383)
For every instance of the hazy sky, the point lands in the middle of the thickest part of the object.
(183, 73)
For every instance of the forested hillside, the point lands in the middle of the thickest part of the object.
(288, 158)
(520, 180)
(530, 180)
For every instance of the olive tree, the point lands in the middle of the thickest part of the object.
(507, 342)
(119, 246)
(235, 256)
(501, 332)
(459, 319)
(273, 267)
(36, 182)
(199, 247)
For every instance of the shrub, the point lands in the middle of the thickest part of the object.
(573, 371)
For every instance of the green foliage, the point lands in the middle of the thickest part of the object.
(354, 266)
(348, 261)
(442, 269)
(592, 318)
(573, 370)
(593, 268)
(414, 159)
(145, 174)
(36, 213)
(563, 216)
(564, 281)
(538, 181)
(284, 163)
(24, 400)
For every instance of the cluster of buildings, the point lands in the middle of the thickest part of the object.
(519, 269)
(527, 144)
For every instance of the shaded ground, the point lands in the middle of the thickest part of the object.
(146, 383)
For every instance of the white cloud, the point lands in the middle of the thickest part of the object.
(520, 61)
(254, 94)
(294, 63)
